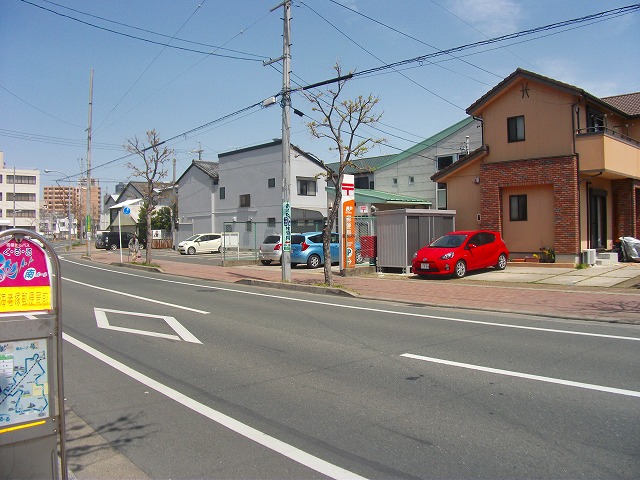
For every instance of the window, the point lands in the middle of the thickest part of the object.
(361, 182)
(515, 128)
(222, 193)
(24, 179)
(595, 121)
(20, 197)
(394, 181)
(21, 213)
(517, 208)
(245, 200)
(441, 199)
(272, 183)
(412, 180)
(249, 226)
(306, 187)
(271, 222)
(444, 161)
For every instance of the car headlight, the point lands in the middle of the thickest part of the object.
(447, 256)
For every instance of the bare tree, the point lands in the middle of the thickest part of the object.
(154, 157)
(340, 121)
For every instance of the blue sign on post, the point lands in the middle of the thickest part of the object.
(126, 210)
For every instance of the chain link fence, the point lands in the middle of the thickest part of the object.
(247, 237)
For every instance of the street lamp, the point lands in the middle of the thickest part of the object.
(46, 170)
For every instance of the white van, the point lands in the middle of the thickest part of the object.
(201, 243)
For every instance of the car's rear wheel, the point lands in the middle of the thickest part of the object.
(359, 257)
(191, 251)
(113, 246)
(220, 249)
(265, 262)
(460, 269)
(314, 261)
(502, 262)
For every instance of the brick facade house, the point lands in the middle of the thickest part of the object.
(558, 168)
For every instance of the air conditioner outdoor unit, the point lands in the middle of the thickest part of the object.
(589, 256)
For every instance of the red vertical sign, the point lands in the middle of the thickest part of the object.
(348, 222)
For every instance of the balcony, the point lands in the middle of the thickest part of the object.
(608, 153)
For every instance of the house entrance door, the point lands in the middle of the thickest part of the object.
(597, 218)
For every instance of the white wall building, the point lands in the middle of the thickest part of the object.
(19, 197)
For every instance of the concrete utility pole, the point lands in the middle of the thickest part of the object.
(88, 207)
(285, 102)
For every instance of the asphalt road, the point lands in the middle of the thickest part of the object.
(193, 379)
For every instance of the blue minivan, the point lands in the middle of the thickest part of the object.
(307, 248)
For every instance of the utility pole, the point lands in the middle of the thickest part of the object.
(88, 206)
(14, 197)
(285, 102)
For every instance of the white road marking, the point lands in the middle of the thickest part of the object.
(137, 297)
(183, 334)
(368, 309)
(252, 434)
(588, 386)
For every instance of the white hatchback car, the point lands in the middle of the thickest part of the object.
(201, 243)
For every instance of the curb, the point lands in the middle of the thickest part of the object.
(297, 287)
(146, 268)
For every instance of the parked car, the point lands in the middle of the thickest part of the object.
(307, 248)
(111, 240)
(100, 238)
(201, 243)
(458, 252)
(271, 249)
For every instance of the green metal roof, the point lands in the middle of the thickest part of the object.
(362, 165)
(429, 142)
(363, 195)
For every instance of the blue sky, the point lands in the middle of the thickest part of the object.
(46, 59)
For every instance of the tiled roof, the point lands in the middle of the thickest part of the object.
(617, 104)
(628, 103)
(210, 168)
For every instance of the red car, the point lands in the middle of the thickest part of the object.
(458, 252)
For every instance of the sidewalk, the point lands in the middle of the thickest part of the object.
(602, 293)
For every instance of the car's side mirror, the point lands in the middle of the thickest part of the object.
(471, 245)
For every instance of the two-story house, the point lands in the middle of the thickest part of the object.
(197, 187)
(558, 168)
(244, 188)
(403, 180)
(250, 187)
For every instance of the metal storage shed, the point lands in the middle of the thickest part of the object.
(401, 233)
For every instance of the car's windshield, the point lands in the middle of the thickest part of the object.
(451, 241)
(272, 239)
(192, 238)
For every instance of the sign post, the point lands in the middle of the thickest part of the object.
(32, 428)
(347, 224)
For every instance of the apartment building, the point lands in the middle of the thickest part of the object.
(19, 197)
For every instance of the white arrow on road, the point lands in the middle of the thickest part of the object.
(184, 334)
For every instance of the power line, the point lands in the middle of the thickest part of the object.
(595, 17)
(216, 47)
(149, 65)
(415, 39)
(38, 109)
(233, 57)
